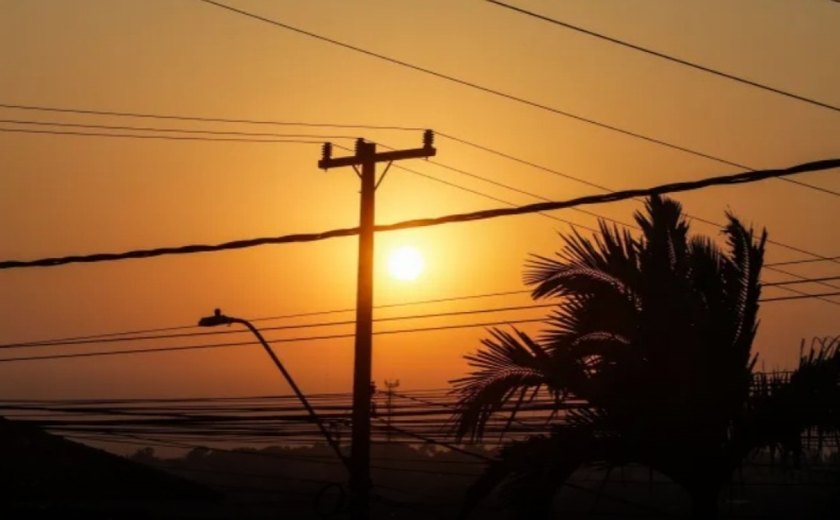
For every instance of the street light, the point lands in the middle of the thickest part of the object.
(220, 319)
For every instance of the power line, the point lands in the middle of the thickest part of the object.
(529, 194)
(800, 277)
(236, 409)
(278, 317)
(280, 327)
(601, 187)
(801, 296)
(234, 401)
(803, 293)
(630, 226)
(747, 177)
(259, 134)
(668, 57)
(150, 136)
(571, 224)
(148, 115)
(432, 178)
(604, 188)
(501, 94)
(804, 280)
(328, 337)
(546, 169)
(172, 130)
(451, 184)
(805, 261)
(113, 337)
(282, 340)
(191, 138)
(451, 168)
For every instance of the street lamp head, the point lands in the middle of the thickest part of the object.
(216, 319)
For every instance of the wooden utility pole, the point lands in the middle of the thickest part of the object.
(366, 158)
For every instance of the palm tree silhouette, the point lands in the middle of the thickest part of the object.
(655, 334)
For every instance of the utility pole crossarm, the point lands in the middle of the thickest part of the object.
(427, 150)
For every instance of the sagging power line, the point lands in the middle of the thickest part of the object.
(176, 117)
(277, 317)
(448, 314)
(292, 141)
(153, 136)
(574, 225)
(460, 140)
(668, 57)
(677, 187)
(501, 94)
(332, 336)
(805, 261)
(170, 130)
(281, 340)
(118, 337)
(558, 173)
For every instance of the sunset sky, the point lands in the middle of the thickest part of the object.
(68, 194)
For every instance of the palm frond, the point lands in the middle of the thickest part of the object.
(584, 265)
(516, 407)
(600, 337)
(742, 275)
(554, 278)
(663, 224)
(579, 316)
(655, 333)
(508, 363)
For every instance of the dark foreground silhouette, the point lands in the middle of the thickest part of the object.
(423, 482)
(655, 334)
(46, 476)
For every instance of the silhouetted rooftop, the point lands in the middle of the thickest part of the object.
(38, 466)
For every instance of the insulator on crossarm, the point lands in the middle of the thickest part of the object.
(428, 139)
(359, 144)
(326, 151)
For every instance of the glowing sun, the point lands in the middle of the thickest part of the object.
(405, 263)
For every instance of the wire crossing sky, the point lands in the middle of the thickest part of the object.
(128, 125)
(327, 136)
(495, 92)
(752, 176)
(664, 56)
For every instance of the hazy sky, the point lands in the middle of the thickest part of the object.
(62, 194)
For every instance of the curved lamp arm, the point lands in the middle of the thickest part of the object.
(220, 319)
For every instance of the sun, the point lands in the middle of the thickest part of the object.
(405, 263)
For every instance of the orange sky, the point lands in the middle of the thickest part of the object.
(72, 195)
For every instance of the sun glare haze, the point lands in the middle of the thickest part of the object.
(405, 263)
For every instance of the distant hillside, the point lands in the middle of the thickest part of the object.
(418, 482)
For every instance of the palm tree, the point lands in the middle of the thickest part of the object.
(655, 334)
